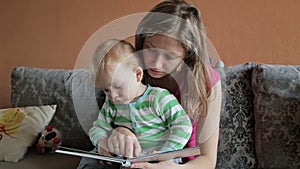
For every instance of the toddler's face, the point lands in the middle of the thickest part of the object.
(119, 83)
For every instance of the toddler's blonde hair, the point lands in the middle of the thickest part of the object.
(113, 50)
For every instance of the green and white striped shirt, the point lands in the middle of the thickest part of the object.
(157, 119)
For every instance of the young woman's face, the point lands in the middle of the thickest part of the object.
(162, 55)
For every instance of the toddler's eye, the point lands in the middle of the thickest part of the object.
(118, 86)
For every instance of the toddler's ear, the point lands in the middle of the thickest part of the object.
(139, 74)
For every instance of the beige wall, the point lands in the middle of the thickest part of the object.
(51, 33)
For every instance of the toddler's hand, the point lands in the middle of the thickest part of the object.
(123, 142)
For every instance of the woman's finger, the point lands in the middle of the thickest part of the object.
(142, 165)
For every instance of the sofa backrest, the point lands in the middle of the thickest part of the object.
(260, 118)
(71, 90)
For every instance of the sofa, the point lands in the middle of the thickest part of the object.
(259, 123)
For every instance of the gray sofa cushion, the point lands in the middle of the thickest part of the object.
(37, 86)
(277, 114)
(33, 160)
(236, 143)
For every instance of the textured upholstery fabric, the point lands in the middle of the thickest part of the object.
(36, 87)
(276, 91)
(236, 148)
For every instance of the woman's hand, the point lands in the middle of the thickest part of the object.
(123, 142)
(163, 164)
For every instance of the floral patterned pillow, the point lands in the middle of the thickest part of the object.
(276, 91)
(236, 148)
(19, 128)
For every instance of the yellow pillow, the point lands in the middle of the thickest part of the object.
(19, 128)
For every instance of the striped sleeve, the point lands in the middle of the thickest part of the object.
(101, 127)
(176, 119)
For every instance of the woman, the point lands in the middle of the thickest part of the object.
(172, 43)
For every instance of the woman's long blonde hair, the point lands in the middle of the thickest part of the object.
(179, 19)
